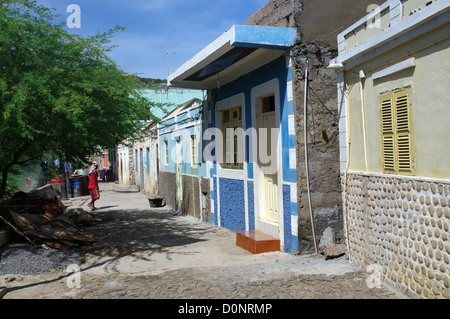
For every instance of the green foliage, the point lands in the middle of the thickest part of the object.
(15, 180)
(60, 92)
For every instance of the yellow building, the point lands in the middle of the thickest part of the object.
(393, 84)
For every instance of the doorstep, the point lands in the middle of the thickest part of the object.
(257, 242)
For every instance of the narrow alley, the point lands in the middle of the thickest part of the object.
(155, 253)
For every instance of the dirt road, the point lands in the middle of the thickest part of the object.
(149, 253)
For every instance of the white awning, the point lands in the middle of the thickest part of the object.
(240, 50)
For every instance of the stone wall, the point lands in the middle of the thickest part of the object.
(167, 188)
(196, 194)
(276, 13)
(315, 20)
(322, 20)
(322, 125)
(401, 224)
(196, 197)
(314, 48)
(322, 133)
(205, 185)
(132, 167)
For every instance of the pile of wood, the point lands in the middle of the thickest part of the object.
(40, 218)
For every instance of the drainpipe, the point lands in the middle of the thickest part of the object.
(306, 155)
(362, 76)
(347, 166)
(345, 208)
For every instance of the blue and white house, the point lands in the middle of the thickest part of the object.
(247, 147)
(137, 162)
(180, 171)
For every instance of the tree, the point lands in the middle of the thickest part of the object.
(60, 93)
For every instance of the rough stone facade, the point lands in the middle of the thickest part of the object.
(167, 186)
(322, 143)
(205, 186)
(276, 13)
(196, 198)
(191, 201)
(318, 23)
(401, 224)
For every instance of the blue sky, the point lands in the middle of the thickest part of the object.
(154, 27)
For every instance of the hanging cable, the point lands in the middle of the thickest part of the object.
(306, 155)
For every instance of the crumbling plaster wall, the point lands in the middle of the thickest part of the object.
(196, 198)
(130, 177)
(149, 173)
(317, 22)
(167, 186)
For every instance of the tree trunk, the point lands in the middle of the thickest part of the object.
(15, 161)
(65, 189)
(4, 180)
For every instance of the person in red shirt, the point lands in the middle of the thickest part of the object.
(93, 185)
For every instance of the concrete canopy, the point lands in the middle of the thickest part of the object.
(240, 50)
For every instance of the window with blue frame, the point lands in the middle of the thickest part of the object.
(148, 159)
(166, 152)
(194, 151)
(137, 160)
(231, 122)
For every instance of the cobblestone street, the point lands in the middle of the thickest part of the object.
(234, 283)
(144, 253)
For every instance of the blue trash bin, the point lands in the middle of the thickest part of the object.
(71, 187)
(77, 188)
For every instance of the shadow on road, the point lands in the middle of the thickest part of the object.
(135, 233)
(140, 233)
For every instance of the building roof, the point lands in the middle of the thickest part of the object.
(394, 23)
(170, 97)
(183, 106)
(240, 50)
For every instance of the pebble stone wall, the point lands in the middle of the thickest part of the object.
(401, 224)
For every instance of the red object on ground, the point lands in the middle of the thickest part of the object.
(52, 210)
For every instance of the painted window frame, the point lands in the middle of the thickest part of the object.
(166, 153)
(148, 159)
(194, 151)
(397, 143)
(230, 126)
(136, 155)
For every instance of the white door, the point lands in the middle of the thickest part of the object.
(269, 179)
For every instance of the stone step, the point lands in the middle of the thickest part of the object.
(257, 242)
